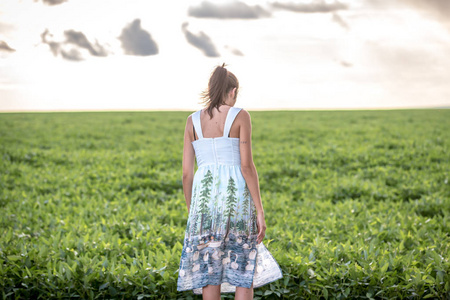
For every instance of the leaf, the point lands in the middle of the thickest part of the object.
(103, 286)
(28, 272)
(286, 280)
(384, 268)
(14, 257)
(112, 290)
(347, 291)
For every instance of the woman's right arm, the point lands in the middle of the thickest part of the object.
(188, 163)
(249, 170)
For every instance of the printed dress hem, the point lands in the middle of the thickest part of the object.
(225, 292)
(233, 284)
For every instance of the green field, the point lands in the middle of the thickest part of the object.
(357, 204)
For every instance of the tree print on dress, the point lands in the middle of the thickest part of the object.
(240, 223)
(254, 228)
(205, 194)
(230, 203)
(192, 223)
(216, 214)
(218, 223)
(246, 209)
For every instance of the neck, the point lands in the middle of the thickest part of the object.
(229, 102)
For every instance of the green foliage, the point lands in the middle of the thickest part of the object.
(356, 204)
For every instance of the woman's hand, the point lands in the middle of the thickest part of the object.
(261, 223)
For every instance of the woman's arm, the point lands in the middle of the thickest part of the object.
(188, 162)
(249, 170)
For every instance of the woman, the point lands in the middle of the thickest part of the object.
(223, 250)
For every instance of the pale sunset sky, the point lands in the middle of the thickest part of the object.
(62, 55)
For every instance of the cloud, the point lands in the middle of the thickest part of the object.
(200, 41)
(137, 41)
(72, 54)
(231, 10)
(346, 64)
(319, 6)
(74, 42)
(5, 27)
(54, 46)
(338, 19)
(53, 2)
(79, 39)
(5, 47)
(235, 51)
(437, 8)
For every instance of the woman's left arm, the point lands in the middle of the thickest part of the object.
(188, 162)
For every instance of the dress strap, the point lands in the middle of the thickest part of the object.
(231, 115)
(197, 125)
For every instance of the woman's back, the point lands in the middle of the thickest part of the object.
(218, 149)
(214, 127)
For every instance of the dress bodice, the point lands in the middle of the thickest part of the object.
(219, 150)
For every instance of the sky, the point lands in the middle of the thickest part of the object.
(63, 55)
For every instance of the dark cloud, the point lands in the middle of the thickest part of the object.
(79, 39)
(5, 47)
(137, 41)
(70, 48)
(314, 7)
(338, 19)
(53, 2)
(200, 41)
(232, 10)
(54, 46)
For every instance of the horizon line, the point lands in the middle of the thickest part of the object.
(253, 109)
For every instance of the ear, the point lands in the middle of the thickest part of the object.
(232, 93)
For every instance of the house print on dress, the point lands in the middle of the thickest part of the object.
(220, 237)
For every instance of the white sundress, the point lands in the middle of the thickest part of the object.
(219, 246)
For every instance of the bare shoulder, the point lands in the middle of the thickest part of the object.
(243, 116)
(189, 119)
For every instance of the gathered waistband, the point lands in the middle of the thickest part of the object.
(220, 164)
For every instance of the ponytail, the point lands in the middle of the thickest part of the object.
(220, 83)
